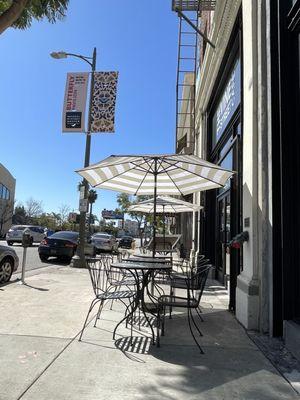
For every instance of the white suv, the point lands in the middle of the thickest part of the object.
(14, 235)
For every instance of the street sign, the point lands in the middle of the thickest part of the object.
(82, 190)
(72, 217)
(83, 205)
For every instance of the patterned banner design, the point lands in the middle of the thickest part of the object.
(75, 102)
(104, 101)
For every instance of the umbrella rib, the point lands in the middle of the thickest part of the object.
(141, 183)
(194, 173)
(137, 165)
(174, 183)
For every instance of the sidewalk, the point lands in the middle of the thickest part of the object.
(41, 358)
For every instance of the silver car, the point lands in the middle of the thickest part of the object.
(104, 242)
(9, 263)
(14, 235)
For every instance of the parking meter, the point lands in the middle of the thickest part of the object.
(26, 242)
(26, 238)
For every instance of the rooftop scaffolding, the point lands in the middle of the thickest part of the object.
(193, 5)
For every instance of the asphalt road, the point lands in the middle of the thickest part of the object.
(32, 258)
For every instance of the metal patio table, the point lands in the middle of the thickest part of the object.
(149, 260)
(141, 273)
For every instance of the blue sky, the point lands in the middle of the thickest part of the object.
(138, 38)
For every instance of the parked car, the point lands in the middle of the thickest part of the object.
(63, 245)
(9, 263)
(15, 233)
(126, 242)
(104, 242)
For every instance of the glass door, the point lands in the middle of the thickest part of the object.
(223, 237)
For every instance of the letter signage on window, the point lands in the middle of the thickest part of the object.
(228, 103)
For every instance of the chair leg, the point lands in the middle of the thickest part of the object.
(163, 321)
(198, 311)
(192, 333)
(112, 302)
(172, 293)
(157, 328)
(93, 303)
(99, 312)
(194, 322)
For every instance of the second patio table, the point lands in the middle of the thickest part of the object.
(150, 260)
(141, 273)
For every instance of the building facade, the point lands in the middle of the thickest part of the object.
(247, 120)
(130, 226)
(7, 197)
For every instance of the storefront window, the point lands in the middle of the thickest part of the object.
(228, 104)
(226, 164)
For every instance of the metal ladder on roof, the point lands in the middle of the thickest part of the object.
(186, 85)
(187, 69)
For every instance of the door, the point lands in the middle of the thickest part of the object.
(223, 237)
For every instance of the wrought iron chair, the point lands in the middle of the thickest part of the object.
(118, 278)
(194, 285)
(99, 270)
(178, 280)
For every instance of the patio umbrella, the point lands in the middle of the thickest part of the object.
(164, 205)
(166, 174)
(167, 204)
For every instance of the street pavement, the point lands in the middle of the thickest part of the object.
(32, 257)
(41, 358)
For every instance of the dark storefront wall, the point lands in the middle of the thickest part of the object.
(285, 50)
(222, 218)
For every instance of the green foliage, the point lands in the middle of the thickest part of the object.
(19, 216)
(92, 196)
(52, 10)
(125, 201)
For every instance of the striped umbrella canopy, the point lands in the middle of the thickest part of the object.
(164, 174)
(164, 205)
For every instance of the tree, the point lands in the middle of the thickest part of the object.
(33, 209)
(63, 215)
(92, 197)
(20, 13)
(124, 201)
(19, 217)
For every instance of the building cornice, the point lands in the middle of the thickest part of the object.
(223, 22)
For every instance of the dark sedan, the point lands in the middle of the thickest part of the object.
(63, 245)
(126, 242)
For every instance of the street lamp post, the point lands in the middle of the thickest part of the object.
(79, 258)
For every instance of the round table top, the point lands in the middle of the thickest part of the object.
(144, 260)
(141, 266)
(157, 257)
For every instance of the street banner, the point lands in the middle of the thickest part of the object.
(104, 102)
(75, 102)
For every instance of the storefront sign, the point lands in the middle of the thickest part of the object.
(228, 104)
(104, 102)
(75, 102)
(110, 214)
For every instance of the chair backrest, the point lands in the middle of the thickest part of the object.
(97, 271)
(201, 264)
(200, 257)
(196, 284)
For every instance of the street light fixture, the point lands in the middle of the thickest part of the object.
(79, 258)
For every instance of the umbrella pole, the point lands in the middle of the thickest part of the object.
(154, 211)
(164, 226)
